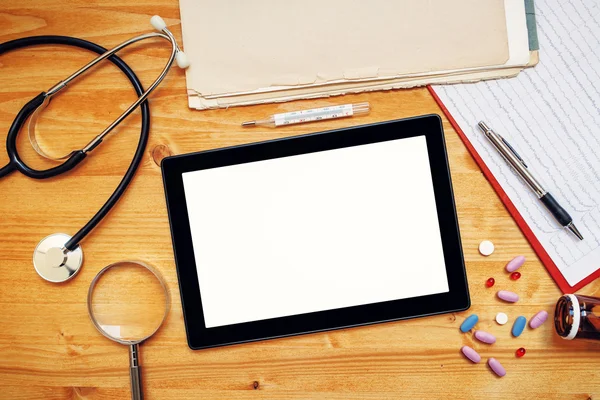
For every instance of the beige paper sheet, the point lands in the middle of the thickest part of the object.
(200, 103)
(519, 57)
(518, 45)
(236, 46)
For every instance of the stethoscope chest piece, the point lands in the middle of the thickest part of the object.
(52, 262)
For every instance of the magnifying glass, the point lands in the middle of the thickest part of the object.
(128, 302)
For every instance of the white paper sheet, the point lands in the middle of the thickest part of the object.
(551, 115)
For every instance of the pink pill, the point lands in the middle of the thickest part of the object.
(485, 337)
(515, 263)
(471, 354)
(538, 319)
(496, 367)
(508, 296)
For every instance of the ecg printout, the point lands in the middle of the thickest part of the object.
(550, 114)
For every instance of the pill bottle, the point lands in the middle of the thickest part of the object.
(577, 317)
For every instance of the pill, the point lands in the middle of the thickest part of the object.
(520, 352)
(486, 248)
(496, 367)
(490, 282)
(469, 323)
(508, 296)
(518, 326)
(515, 276)
(471, 354)
(515, 263)
(501, 318)
(538, 319)
(485, 337)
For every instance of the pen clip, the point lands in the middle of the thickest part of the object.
(513, 151)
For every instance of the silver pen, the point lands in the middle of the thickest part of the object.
(516, 162)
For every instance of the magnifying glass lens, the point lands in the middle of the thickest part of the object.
(128, 302)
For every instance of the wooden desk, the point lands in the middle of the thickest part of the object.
(50, 350)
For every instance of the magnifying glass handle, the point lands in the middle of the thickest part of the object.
(135, 373)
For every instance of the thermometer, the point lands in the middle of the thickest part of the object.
(314, 114)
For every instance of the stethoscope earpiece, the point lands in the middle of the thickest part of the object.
(182, 60)
(180, 57)
(158, 23)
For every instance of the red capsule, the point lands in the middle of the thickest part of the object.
(520, 352)
(515, 275)
(490, 282)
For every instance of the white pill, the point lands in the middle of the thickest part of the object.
(501, 318)
(486, 247)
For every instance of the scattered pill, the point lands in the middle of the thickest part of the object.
(520, 352)
(485, 337)
(515, 263)
(486, 248)
(538, 319)
(518, 326)
(469, 323)
(501, 318)
(508, 296)
(515, 275)
(471, 354)
(490, 282)
(496, 367)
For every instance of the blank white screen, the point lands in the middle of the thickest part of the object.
(315, 232)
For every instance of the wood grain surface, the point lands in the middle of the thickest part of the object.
(50, 350)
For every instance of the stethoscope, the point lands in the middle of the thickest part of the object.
(58, 257)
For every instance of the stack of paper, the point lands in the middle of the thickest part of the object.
(551, 115)
(250, 52)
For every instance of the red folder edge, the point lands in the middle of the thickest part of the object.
(561, 282)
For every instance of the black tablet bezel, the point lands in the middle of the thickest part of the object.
(456, 299)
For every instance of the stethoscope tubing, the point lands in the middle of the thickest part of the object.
(15, 162)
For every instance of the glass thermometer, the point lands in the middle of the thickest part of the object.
(314, 114)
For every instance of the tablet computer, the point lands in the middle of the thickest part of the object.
(323, 231)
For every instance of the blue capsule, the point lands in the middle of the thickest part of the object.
(518, 326)
(469, 323)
